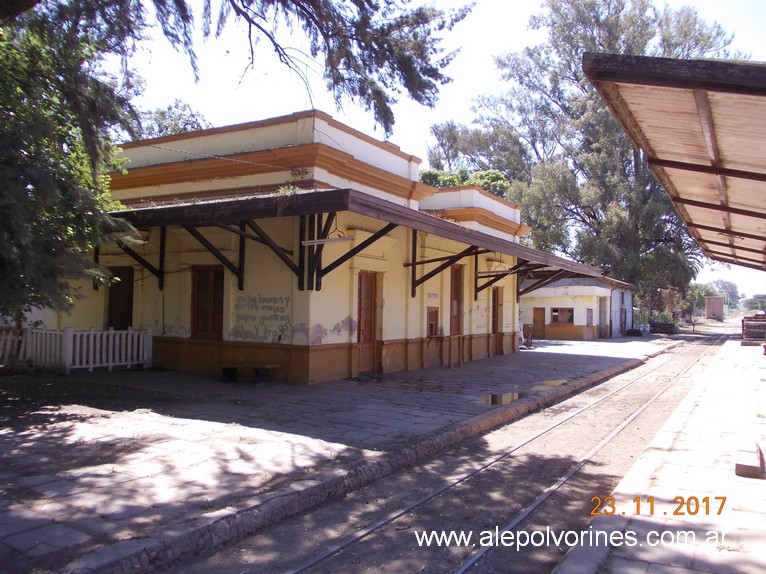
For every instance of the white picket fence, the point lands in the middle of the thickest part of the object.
(68, 349)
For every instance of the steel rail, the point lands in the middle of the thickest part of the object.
(364, 532)
(575, 468)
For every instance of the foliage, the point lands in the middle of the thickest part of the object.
(177, 118)
(591, 195)
(494, 147)
(371, 50)
(695, 296)
(755, 303)
(491, 180)
(54, 111)
(57, 107)
(728, 288)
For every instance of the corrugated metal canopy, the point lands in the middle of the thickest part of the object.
(702, 125)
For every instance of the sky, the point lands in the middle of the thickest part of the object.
(228, 92)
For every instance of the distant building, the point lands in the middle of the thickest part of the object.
(578, 308)
(715, 308)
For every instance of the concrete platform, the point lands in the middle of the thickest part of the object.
(689, 469)
(123, 471)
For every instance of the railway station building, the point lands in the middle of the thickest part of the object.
(304, 245)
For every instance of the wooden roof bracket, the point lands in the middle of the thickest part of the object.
(237, 270)
(446, 262)
(560, 274)
(260, 236)
(495, 276)
(313, 230)
(159, 273)
(322, 271)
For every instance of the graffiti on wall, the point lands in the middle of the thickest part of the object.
(262, 318)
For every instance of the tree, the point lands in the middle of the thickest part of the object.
(592, 196)
(371, 49)
(177, 118)
(479, 149)
(58, 107)
(54, 111)
(491, 180)
(728, 288)
(755, 303)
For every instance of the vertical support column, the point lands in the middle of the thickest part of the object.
(301, 253)
(311, 252)
(475, 276)
(163, 241)
(241, 259)
(413, 259)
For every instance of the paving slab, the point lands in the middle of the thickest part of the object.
(689, 471)
(122, 471)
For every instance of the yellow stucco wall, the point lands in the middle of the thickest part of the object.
(270, 311)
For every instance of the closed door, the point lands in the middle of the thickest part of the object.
(456, 300)
(538, 322)
(119, 315)
(367, 321)
(497, 321)
(207, 302)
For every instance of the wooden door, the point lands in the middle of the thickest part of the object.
(497, 321)
(119, 314)
(207, 302)
(456, 300)
(538, 322)
(368, 287)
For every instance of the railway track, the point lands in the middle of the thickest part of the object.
(541, 472)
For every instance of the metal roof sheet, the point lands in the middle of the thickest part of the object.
(702, 126)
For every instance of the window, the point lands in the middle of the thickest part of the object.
(589, 317)
(432, 317)
(562, 315)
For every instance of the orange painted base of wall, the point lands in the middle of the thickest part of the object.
(571, 332)
(316, 364)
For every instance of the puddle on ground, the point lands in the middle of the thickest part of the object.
(556, 383)
(495, 399)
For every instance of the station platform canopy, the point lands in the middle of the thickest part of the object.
(702, 127)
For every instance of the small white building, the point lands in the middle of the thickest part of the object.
(577, 308)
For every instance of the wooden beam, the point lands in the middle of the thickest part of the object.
(271, 244)
(449, 262)
(737, 257)
(560, 274)
(241, 258)
(496, 276)
(710, 75)
(739, 247)
(722, 231)
(140, 259)
(194, 232)
(718, 207)
(734, 173)
(357, 249)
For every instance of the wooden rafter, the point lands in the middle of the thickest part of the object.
(158, 273)
(357, 249)
(447, 262)
(237, 270)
